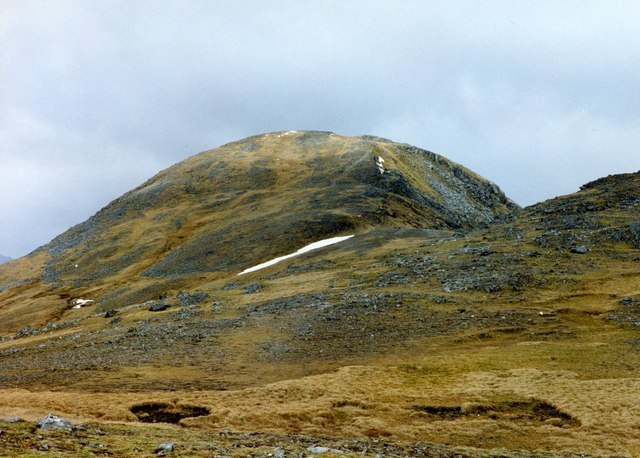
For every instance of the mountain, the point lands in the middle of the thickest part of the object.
(451, 322)
(224, 210)
(4, 259)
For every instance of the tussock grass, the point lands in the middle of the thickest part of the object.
(496, 408)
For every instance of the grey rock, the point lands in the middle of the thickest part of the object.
(186, 298)
(320, 450)
(635, 232)
(165, 448)
(628, 313)
(251, 289)
(27, 331)
(581, 249)
(54, 422)
(12, 419)
(159, 306)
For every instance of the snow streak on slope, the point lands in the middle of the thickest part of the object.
(310, 247)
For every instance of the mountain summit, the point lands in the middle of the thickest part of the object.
(246, 202)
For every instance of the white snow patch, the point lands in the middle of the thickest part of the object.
(380, 164)
(79, 303)
(311, 246)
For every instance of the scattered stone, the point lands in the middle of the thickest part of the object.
(11, 420)
(110, 313)
(91, 444)
(251, 289)
(581, 249)
(54, 422)
(627, 313)
(186, 299)
(165, 448)
(320, 450)
(26, 332)
(630, 301)
(159, 306)
(635, 233)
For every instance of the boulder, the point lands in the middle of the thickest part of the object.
(165, 448)
(159, 306)
(54, 422)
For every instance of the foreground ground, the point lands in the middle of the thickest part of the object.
(372, 411)
(125, 440)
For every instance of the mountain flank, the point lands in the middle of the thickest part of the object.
(4, 259)
(444, 321)
(224, 210)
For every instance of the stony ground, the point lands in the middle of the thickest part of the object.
(19, 437)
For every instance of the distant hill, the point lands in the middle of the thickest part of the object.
(4, 259)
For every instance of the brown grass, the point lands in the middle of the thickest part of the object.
(379, 402)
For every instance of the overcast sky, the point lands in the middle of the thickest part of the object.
(97, 96)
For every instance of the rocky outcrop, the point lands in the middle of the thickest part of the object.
(605, 210)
